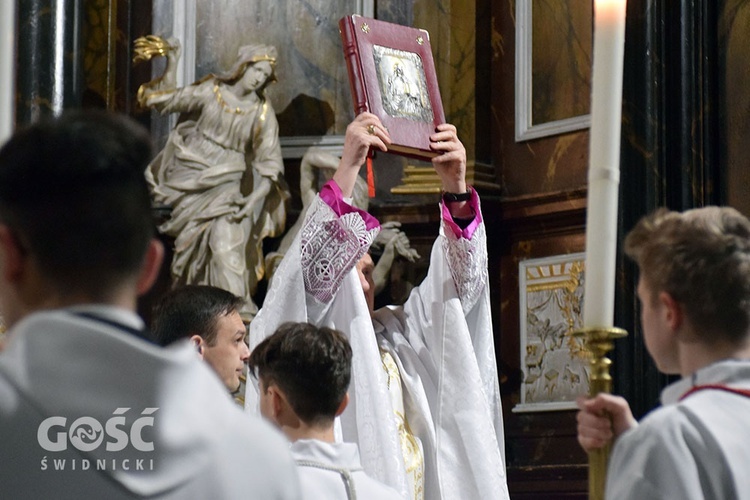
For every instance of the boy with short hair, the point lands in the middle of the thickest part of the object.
(304, 373)
(694, 290)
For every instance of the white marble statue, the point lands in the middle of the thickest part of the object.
(221, 170)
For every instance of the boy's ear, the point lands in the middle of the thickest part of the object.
(150, 267)
(278, 400)
(673, 312)
(12, 255)
(343, 405)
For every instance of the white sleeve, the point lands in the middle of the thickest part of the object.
(330, 247)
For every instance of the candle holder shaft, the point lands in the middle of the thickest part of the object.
(599, 341)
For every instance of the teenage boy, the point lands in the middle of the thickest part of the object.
(694, 290)
(304, 373)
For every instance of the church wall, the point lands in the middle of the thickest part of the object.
(542, 213)
(734, 60)
(685, 126)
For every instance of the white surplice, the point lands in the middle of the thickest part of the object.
(333, 471)
(441, 340)
(89, 410)
(696, 448)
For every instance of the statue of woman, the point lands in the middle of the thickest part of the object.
(221, 170)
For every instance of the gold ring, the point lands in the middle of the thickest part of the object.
(371, 129)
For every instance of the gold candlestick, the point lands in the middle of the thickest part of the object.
(599, 341)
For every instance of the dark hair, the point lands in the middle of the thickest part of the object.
(192, 310)
(311, 365)
(73, 191)
(700, 257)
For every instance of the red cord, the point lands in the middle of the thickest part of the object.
(370, 178)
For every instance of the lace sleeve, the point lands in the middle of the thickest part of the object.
(330, 247)
(467, 259)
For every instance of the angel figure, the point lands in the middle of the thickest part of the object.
(221, 170)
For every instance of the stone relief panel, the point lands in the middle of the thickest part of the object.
(555, 364)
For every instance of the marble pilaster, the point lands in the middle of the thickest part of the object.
(99, 55)
(50, 69)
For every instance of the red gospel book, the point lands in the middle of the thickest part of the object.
(392, 75)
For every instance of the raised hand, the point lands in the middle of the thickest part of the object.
(145, 48)
(365, 132)
(391, 237)
(148, 46)
(450, 164)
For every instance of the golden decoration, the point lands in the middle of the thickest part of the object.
(99, 61)
(599, 341)
(425, 180)
(410, 449)
(146, 47)
(229, 109)
(365, 28)
(420, 40)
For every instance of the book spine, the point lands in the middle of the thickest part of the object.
(353, 65)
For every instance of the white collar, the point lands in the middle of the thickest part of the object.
(728, 371)
(117, 314)
(339, 455)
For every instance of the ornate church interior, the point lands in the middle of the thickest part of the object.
(515, 77)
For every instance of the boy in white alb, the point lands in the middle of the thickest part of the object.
(304, 374)
(694, 290)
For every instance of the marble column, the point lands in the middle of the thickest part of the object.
(50, 65)
(7, 66)
(670, 141)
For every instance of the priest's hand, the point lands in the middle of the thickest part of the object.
(450, 164)
(365, 132)
(602, 419)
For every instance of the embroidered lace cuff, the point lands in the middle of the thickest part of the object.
(467, 259)
(331, 246)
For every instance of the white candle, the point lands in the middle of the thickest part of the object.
(7, 52)
(604, 163)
